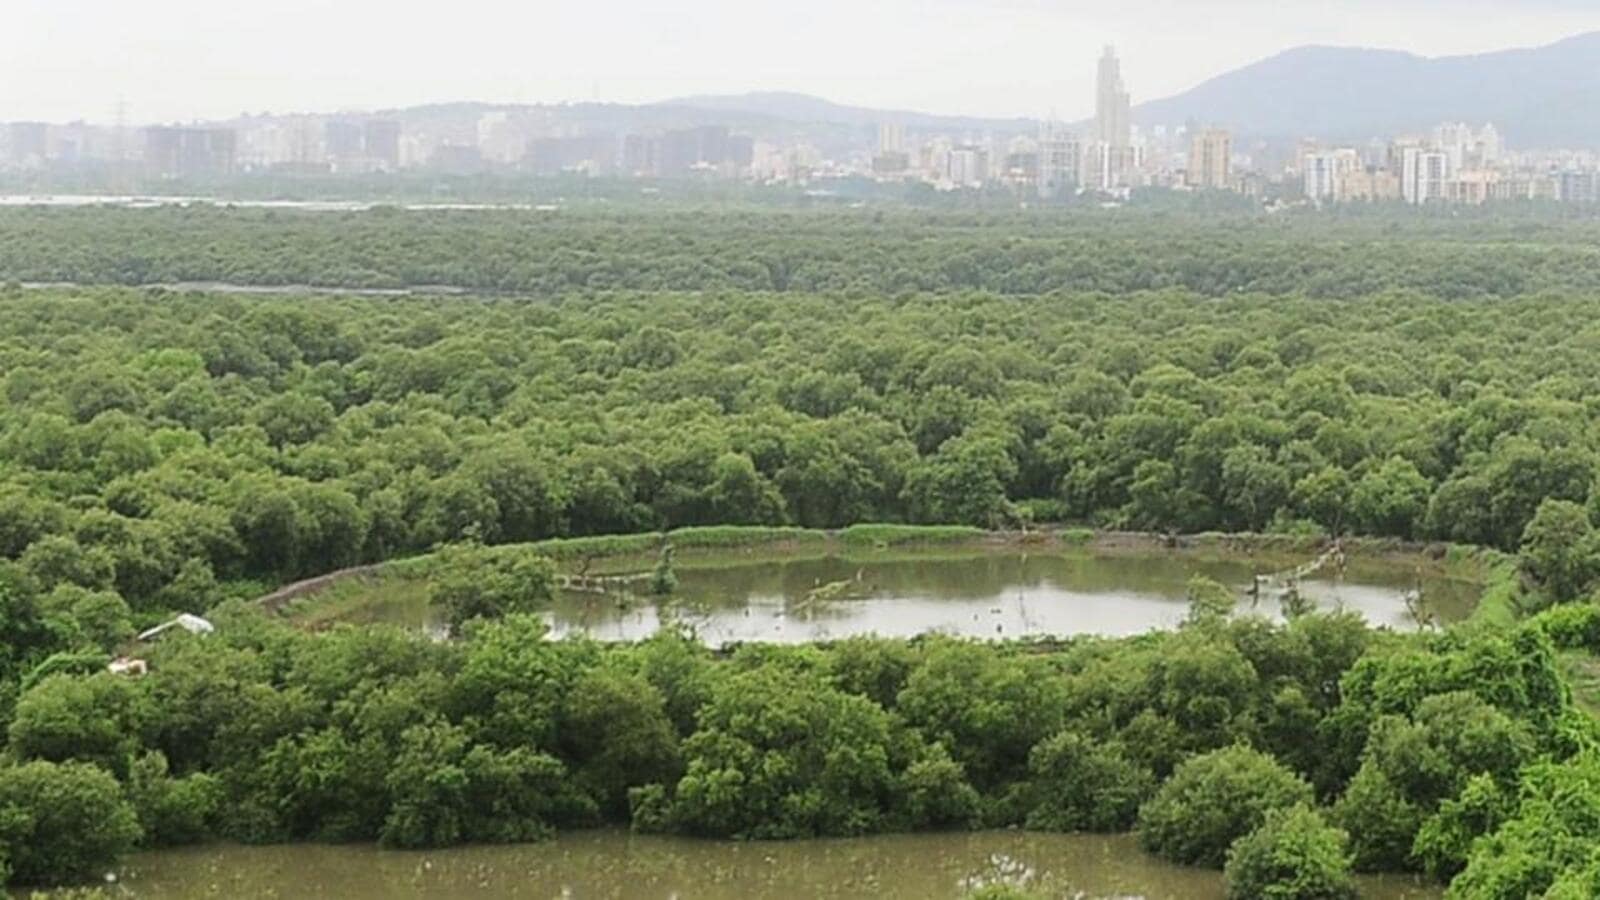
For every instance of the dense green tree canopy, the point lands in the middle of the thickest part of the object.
(165, 450)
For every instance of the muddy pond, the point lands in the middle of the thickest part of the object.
(731, 597)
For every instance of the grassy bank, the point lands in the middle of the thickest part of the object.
(1500, 606)
(903, 535)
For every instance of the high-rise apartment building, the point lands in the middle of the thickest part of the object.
(706, 148)
(590, 153)
(891, 138)
(341, 140)
(640, 155)
(1424, 174)
(1113, 114)
(1323, 173)
(1472, 187)
(172, 152)
(1489, 146)
(1367, 185)
(380, 140)
(1019, 166)
(27, 143)
(500, 137)
(1060, 163)
(1211, 159)
(1455, 140)
(891, 160)
(968, 166)
(1109, 163)
(1317, 176)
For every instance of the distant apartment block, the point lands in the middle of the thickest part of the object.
(27, 144)
(1060, 161)
(380, 142)
(175, 152)
(1211, 159)
(591, 154)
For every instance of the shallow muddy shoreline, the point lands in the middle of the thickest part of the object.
(611, 862)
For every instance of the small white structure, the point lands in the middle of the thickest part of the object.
(122, 665)
(190, 623)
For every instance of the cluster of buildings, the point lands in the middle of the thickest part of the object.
(1057, 162)
(499, 140)
(1455, 164)
(1108, 157)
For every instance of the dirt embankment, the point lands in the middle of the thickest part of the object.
(289, 593)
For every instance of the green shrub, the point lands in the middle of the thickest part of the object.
(1080, 785)
(470, 581)
(935, 794)
(172, 810)
(1078, 537)
(1213, 800)
(1294, 855)
(1559, 549)
(63, 822)
(781, 755)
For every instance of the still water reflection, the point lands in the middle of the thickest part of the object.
(1005, 595)
(621, 866)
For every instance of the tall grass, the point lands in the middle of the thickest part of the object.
(723, 536)
(563, 549)
(1499, 607)
(897, 535)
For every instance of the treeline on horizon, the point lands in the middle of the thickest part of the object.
(880, 252)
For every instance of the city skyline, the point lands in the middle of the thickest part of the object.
(183, 60)
(1109, 157)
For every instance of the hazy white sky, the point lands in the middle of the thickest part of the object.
(183, 59)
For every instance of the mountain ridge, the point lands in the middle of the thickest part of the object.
(1537, 96)
(801, 107)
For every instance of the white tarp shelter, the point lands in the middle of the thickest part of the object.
(190, 623)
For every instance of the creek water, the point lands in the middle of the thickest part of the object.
(621, 866)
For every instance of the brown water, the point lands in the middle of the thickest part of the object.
(983, 595)
(731, 598)
(621, 866)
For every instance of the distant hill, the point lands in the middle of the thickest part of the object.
(1540, 97)
(804, 108)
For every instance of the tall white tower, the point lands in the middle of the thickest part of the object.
(1113, 108)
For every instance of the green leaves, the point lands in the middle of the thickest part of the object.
(63, 823)
(470, 581)
(1213, 800)
(784, 755)
(1561, 550)
(1294, 855)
